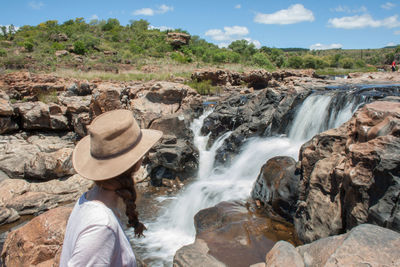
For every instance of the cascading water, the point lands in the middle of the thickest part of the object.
(174, 228)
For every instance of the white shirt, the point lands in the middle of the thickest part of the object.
(94, 237)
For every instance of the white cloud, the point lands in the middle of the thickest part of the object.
(144, 12)
(391, 44)
(363, 21)
(294, 14)
(164, 9)
(151, 12)
(388, 5)
(230, 34)
(94, 17)
(161, 28)
(238, 6)
(36, 5)
(319, 46)
(347, 9)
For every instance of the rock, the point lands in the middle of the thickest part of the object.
(237, 237)
(76, 104)
(178, 39)
(350, 175)
(37, 155)
(172, 158)
(47, 166)
(33, 198)
(6, 109)
(257, 78)
(105, 98)
(283, 254)
(195, 255)
(37, 116)
(7, 125)
(217, 76)
(8, 215)
(80, 89)
(364, 245)
(61, 53)
(39, 242)
(59, 37)
(277, 186)
(80, 122)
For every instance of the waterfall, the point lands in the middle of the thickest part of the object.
(320, 112)
(174, 227)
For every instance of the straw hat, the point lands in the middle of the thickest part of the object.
(114, 144)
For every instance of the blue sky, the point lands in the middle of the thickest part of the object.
(316, 24)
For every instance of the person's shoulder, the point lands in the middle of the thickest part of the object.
(96, 213)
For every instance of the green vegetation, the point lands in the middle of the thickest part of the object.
(204, 87)
(108, 46)
(48, 97)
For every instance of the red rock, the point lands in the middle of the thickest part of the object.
(39, 242)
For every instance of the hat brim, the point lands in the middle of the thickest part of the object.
(102, 169)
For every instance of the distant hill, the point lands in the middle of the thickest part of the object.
(107, 45)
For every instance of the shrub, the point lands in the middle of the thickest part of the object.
(28, 46)
(204, 87)
(309, 62)
(360, 63)
(80, 48)
(58, 46)
(346, 63)
(3, 53)
(181, 58)
(295, 62)
(262, 60)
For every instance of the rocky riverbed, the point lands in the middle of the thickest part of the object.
(344, 177)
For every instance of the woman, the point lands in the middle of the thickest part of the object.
(109, 155)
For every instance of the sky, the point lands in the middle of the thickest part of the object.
(314, 24)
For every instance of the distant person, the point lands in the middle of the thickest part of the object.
(110, 155)
(394, 66)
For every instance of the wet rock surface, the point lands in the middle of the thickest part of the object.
(233, 235)
(277, 186)
(350, 175)
(364, 245)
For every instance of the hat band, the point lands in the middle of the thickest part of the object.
(120, 152)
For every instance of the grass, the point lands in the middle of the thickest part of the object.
(340, 71)
(48, 97)
(204, 87)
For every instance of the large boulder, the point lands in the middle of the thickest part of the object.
(257, 79)
(277, 186)
(41, 156)
(364, 245)
(26, 198)
(178, 39)
(235, 236)
(350, 175)
(105, 98)
(39, 242)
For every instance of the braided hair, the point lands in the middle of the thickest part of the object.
(124, 187)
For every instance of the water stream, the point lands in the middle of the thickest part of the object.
(174, 228)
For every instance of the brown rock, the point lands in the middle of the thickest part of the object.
(196, 254)
(105, 98)
(178, 38)
(32, 198)
(7, 125)
(61, 53)
(283, 254)
(236, 236)
(350, 174)
(5, 106)
(277, 186)
(38, 242)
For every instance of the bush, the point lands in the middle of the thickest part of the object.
(28, 46)
(58, 46)
(3, 53)
(309, 62)
(360, 63)
(295, 62)
(181, 58)
(346, 63)
(80, 48)
(204, 87)
(262, 60)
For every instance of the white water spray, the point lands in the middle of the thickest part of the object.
(174, 228)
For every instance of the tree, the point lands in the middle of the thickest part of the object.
(243, 47)
(295, 62)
